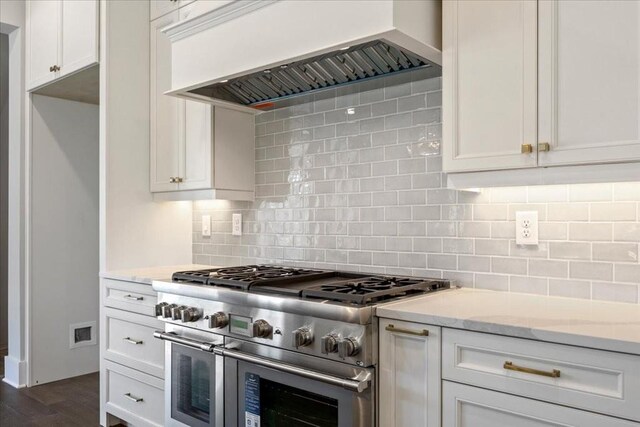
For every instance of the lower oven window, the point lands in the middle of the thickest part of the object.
(282, 405)
(193, 387)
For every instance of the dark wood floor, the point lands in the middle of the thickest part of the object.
(72, 402)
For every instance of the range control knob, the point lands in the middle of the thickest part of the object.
(166, 310)
(329, 344)
(348, 347)
(189, 314)
(302, 337)
(262, 329)
(176, 312)
(159, 307)
(218, 320)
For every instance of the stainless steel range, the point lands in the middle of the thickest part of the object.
(272, 345)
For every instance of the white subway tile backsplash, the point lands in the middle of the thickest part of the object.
(353, 180)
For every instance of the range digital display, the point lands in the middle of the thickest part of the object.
(240, 325)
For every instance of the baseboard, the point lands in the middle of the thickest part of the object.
(15, 372)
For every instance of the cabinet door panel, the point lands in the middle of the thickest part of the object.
(164, 109)
(43, 19)
(409, 375)
(466, 406)
(490, 88)
(196, 150)
(79, 35)
(589, 76)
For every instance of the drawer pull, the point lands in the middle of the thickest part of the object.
(422, 333)
(511, 367)
(133, 297)
(132, 341)
(132, 397)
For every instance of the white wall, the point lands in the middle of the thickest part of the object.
(64, 235)
(4, 187)
(12, 15)
(135, 231)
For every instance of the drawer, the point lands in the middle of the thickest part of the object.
(135, 297)
(466, 406)
(595, 380)
(134, 397)
(129, 341)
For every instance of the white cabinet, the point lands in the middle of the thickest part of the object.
(466, 406)
(531, 84)
(489, 84)
(589, 81)
(62, 39)
(409, 374)
(194, 145)
(158, 8)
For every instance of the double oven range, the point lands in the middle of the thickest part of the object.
(273, 345)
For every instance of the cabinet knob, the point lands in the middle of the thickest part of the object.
(54, 68)
(172, 179)
(544, 146)
(178, 180)
(526, 149)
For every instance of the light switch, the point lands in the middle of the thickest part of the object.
(206, 225)
(236, 224)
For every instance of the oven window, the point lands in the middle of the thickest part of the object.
(282, 405)
(192, 381)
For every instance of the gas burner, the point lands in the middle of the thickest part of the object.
(242, 277)
(370, 290)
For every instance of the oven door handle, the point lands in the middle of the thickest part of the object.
(358, 384)
(187, 342)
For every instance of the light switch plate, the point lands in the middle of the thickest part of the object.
(527, 228)
(206, 225)
(236, 225)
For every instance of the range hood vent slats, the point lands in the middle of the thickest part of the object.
(345, 66)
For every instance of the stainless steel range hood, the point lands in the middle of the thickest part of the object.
(346, 66)
(294, 48)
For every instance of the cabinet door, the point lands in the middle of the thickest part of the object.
(79, 25)
(466, 406)
(589, 81)
(164, 109)
(157, 8)
(409, 374)
(489, 84)
(196, 154)
(43, 19)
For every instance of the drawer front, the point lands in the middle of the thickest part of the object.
(134, 297)
(134, 397)
(130, 341)
(595, 380)
(466, 406)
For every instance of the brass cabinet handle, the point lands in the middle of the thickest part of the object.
(172, 179)
(132, 341)
(544, 146)
(54, 68)
(511, 367)
(421, 333)
(179, 180)
(526, 148)
(132, 297)
(132, 397)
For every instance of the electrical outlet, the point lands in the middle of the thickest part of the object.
(236, 225)
(527, 228)
(206, 225)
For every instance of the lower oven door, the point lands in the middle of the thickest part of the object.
(194, 382)
(267, 387)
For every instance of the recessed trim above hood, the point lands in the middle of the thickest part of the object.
(249, 54)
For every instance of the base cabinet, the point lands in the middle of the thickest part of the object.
(409, 374)
(467, 406)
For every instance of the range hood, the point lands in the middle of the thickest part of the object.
(303, 47)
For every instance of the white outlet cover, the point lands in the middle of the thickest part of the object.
(236, 225)
(527, 228)
(206, 225)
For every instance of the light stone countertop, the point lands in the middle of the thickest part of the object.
(149, 274)
(595, 324)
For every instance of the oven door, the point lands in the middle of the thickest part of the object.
(269, 387)
(194, 381)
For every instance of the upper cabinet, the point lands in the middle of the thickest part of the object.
(198, 151)
(62, 39)
(540, 83)
(158, 8)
